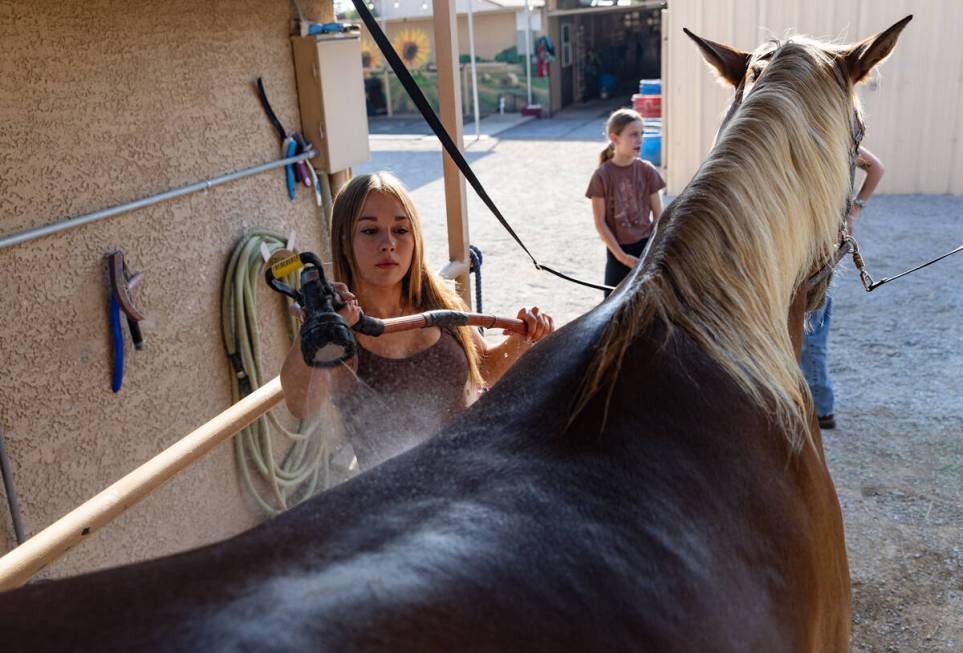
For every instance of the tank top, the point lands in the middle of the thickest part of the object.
(403, 401)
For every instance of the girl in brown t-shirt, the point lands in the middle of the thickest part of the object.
(408, 384)
(625, 196)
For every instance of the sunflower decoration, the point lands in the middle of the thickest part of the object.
(412, 46)
(370, 56)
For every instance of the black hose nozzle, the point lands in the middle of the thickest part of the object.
(326, 339)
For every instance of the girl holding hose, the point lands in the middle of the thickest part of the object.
(410, 383)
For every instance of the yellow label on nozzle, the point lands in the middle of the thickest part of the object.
(286, 266)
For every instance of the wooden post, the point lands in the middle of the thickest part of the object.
(339, 179)
(50, 544)
(449, 99)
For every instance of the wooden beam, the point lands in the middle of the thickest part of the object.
(49, 545)
(449, 99)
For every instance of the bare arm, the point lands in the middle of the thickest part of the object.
(874, 172)
(655, 202)
(495, 360)
(598, 210)
(874, 168)
(304, 387)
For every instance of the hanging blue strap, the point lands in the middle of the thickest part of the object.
(118, 338)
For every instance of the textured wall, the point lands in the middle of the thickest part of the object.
(103, 102)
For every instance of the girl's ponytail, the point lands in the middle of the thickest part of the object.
(607, 153)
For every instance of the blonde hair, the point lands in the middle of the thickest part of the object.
(421, 289)
(618, 120)
(762, 212)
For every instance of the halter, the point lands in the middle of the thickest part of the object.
(846, 243)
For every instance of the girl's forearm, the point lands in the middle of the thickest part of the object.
(305, 386)
(874, 173)
(496, 360)
(655, 203)
(611, 242)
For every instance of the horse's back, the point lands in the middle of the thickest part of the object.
(682, 525)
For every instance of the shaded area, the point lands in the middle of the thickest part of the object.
(415, 169)
(580, 122)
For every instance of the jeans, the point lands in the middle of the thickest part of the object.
(815, 360)
(615, 271)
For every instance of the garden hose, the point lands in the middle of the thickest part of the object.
(305, 467)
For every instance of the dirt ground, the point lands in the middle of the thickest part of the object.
(896, 356)
(897, 454)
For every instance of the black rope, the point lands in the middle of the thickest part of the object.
(269, 111)
(877, 284)
(11, 493)
(456, 156)
(475, 256)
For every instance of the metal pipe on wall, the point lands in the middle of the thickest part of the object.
(39, 232)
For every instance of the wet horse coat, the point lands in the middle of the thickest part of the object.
(670, 514)
(695, 531)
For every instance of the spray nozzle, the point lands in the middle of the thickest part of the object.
(326, 338)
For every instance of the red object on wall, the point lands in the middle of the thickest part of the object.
(532, 110)
(648, 106)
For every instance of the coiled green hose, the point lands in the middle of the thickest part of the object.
(306, 466)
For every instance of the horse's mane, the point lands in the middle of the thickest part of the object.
(762, 212)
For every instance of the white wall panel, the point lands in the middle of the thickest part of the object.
(912, 105)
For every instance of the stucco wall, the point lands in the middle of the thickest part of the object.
(103, 102)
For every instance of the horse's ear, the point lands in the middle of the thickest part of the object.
(863, 56)
(731, 64)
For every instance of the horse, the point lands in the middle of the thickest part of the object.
(651, 477)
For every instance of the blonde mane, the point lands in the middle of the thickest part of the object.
(763, 211)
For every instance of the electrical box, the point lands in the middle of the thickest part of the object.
(334, 116)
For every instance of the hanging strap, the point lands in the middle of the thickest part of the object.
(432, 119)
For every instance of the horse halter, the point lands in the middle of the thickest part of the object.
(846, 242)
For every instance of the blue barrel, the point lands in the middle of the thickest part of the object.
(650, 87)
(652, 147)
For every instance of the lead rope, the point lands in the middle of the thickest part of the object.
(871, 285)
(868, 284)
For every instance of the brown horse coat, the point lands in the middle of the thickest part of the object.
(684, 525)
